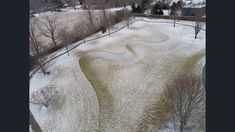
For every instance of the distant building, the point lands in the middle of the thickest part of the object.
(192, 10)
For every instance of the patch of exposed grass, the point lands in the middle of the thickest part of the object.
(104, 97)
(130, 49)
(134, 27)
(191, 62)
(156, 114)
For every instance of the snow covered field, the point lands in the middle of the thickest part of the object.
(107, 84)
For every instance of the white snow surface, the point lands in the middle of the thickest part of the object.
(133, 66)
(189, 1)
(166, 12)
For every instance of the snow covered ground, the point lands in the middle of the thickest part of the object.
(106, 84)
(166, 12)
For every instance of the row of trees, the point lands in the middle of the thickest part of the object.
(44, 5)
(62, 37)
(115, 3)
(175, 11)
(157, 8)
(175, 7)
(140, 6)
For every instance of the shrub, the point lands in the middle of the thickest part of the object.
(185, 98)
(43, 96)
(181, 107)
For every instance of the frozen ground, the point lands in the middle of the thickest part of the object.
(106, 84)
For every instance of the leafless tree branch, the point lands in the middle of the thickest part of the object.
(49, 27)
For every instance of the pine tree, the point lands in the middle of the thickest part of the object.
(133, 8)
(173, 8)
(157, 9)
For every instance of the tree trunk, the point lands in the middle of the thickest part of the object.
(84, 40)
(104, 13)
(54, 42)
(181, 126)
(67, 49)
(109, 31)
(195, 36)
(174, 22)
(90, 17)
(41, 66)
(34, 125)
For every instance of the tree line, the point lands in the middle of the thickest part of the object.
(61, 36)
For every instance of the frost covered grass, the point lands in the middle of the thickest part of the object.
(103, 95)
(109, 84)
(191, 62)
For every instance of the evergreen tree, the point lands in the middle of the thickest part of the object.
(139, 9)
(165, 6)
(144, 4)
(173, 8)
(179, 4)
(157, 9)
(160, 12)
(133, 8)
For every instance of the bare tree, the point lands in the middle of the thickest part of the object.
(103, 5)
(88, 4)
(175, 16)
(66, 38)
(111, 21)
(198, 22)
(80, 31)
(185, 97)
(35, 45)
(126, 17)
(175, 11)
(49, 28)
(43, 96)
